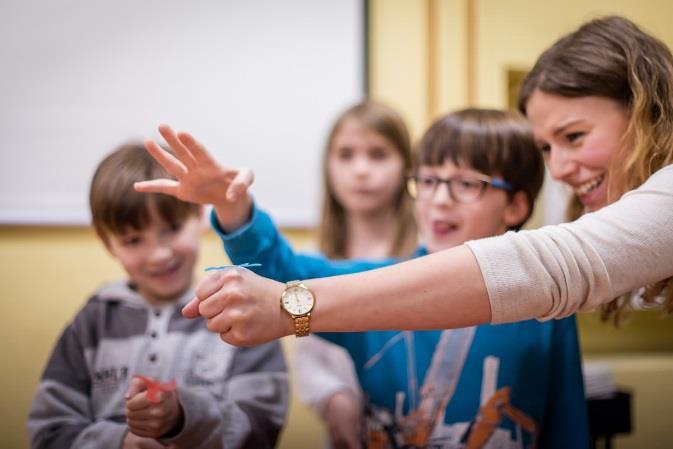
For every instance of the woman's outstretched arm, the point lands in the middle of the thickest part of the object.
(545, 273)
(419, 294)
(442, 290)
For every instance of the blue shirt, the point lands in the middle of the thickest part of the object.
(436, 387)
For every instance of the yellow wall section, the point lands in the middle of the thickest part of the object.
(398, 58)
(506, 34)
(512, 33)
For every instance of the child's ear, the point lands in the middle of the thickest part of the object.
(517, 210)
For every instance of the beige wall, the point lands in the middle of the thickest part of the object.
(512, 33)
(422, 50)
(419, 64)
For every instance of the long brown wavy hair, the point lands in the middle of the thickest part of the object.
(612, 58)
(333, 234)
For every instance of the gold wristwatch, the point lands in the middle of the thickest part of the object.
(298, 301)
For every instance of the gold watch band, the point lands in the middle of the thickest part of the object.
(302, 325)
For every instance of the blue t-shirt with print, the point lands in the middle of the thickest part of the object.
(507, 385)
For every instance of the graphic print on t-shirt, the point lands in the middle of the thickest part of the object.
(425, 425)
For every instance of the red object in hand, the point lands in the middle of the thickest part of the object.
(154, 387)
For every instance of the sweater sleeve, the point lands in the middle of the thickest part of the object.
(322, 369)
(251, 412)
(554, 271)
(61, 414)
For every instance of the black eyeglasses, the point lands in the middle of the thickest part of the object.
(462, 189)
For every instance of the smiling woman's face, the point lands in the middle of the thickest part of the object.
(580, 137)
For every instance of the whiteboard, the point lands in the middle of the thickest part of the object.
(258, 82)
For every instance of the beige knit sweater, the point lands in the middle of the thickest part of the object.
(556, 270)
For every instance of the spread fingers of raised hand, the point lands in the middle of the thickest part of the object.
(243, 179)
(163, 185)
(180, 149)
(196, 149)
(173, 165)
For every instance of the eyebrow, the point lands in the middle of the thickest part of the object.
(563, 127)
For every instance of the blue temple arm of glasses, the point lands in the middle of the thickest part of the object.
(501, 184)
(224, 267)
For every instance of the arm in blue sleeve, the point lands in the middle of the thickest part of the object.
(259, 241)
(566, 422)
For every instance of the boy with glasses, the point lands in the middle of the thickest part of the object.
(477, 175)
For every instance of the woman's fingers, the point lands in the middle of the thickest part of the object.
(210, 284)
(215, 304)
(191, 310)
(220, 324)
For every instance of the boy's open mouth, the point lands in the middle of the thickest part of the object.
(443, 227)
(167, 271)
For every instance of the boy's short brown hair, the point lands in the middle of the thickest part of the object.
(116, 206)
(494, 142)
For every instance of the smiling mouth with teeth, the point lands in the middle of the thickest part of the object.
(589, 185)
(168, 271)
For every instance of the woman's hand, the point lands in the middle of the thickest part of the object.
(242, 307)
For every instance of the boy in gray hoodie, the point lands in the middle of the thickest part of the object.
(90, 396)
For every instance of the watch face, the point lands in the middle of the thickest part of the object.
(297, 300)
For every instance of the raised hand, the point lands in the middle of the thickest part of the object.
(151, 417)
(199, 178)
(241, 306)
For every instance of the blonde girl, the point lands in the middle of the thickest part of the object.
(366, 214)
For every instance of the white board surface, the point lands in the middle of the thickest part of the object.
(259, 82)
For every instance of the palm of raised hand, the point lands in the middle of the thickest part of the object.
(199, 178)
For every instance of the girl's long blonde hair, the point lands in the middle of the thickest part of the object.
(612, 58)
(333, 234)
